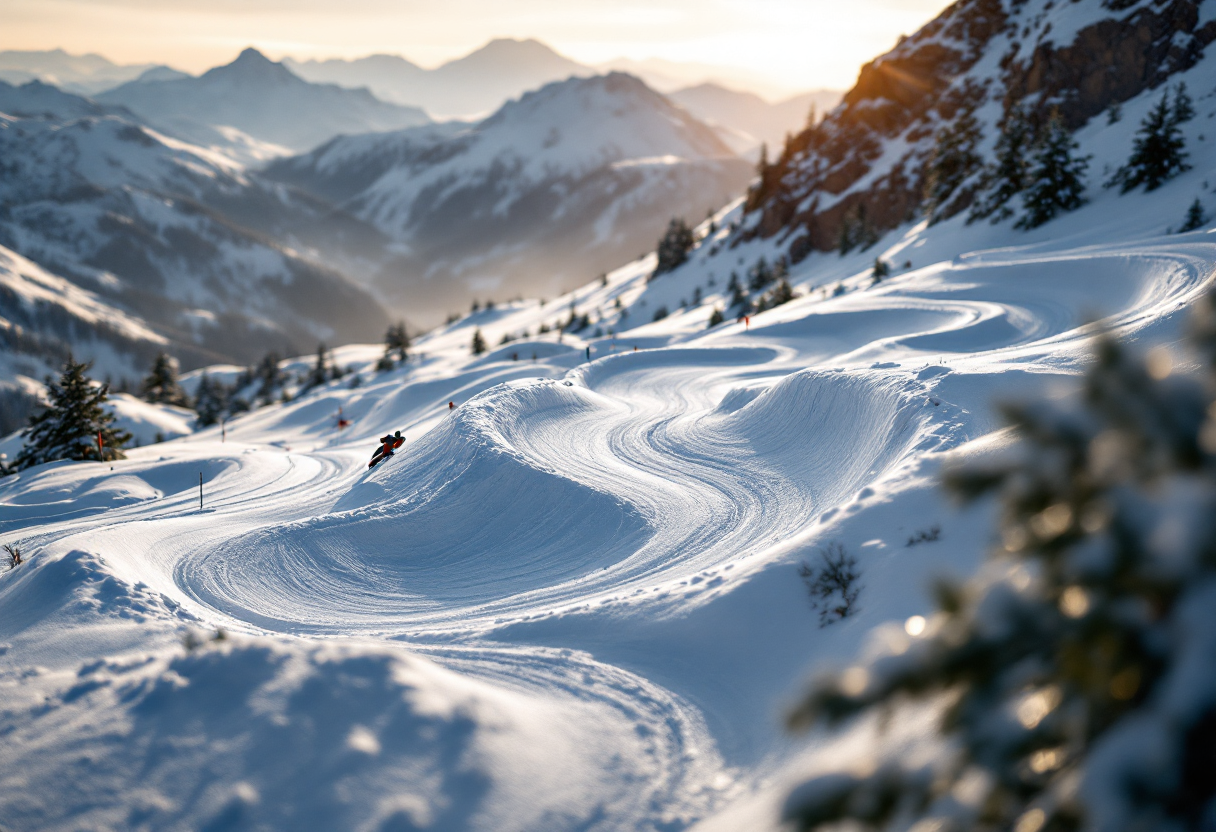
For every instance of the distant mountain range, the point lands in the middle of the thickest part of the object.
(262, 99)
(149, 196)
(566, 182)
(476, 84)
(84, 74)
(744, 120)
(178, 238)
(255, 110)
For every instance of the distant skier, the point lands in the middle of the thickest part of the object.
(588, 352)
(388, 444)
(451, 406)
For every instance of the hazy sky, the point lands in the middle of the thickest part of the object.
(801, 43)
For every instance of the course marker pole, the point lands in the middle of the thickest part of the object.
(200, 490)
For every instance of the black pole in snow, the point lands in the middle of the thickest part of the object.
(200, 490)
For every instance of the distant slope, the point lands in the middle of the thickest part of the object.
(173, 234)
(748, 119)
(552, 189)
(476, 84)
(262, 99)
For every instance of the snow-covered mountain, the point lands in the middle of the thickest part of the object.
(473, 85)
(744, 120)
(83, 74)
(980, 57)
(561, 184)
(173, 234)
(261, 99)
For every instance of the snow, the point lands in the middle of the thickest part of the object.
(573, 601)
(35, 287)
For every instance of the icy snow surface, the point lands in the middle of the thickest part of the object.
(572, 602)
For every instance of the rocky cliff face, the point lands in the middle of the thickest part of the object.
(868, 156)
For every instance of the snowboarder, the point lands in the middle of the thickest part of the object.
(388, 444)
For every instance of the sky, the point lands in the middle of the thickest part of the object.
(798, 44)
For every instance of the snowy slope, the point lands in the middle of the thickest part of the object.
(580, 584)
(262, 99)
(567, 181)
(573, 601)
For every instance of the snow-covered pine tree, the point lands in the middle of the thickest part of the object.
(73, 418)
(479, 342)
(953, 161)
(210, 400)
(161, 386)
(674, 247)
(1158, 153)
(1056, 180)
(1075, 682)
(1195, 217)
(1007, 176)
(716, 317)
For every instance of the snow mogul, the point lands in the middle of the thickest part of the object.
(388, 444)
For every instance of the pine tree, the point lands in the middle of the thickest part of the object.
(855, 230)
(161, 387)
(1184, 108)
(782, 293)
(1056, 178)
(881, 269)
(74, 417)
(397, 339)
(270, 377)
(1158, 153)
(320, 368)
(953, 161)
(1007, 177)
(674, 247)
(715, 318)
(1077, 678)
(479, 342)
(739, 303)
(759, 275)
(1195, 217)
(210, 401)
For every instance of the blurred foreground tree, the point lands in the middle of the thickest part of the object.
(1078, 686)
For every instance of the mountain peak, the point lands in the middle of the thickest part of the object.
(252, 66)
(250, 56)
